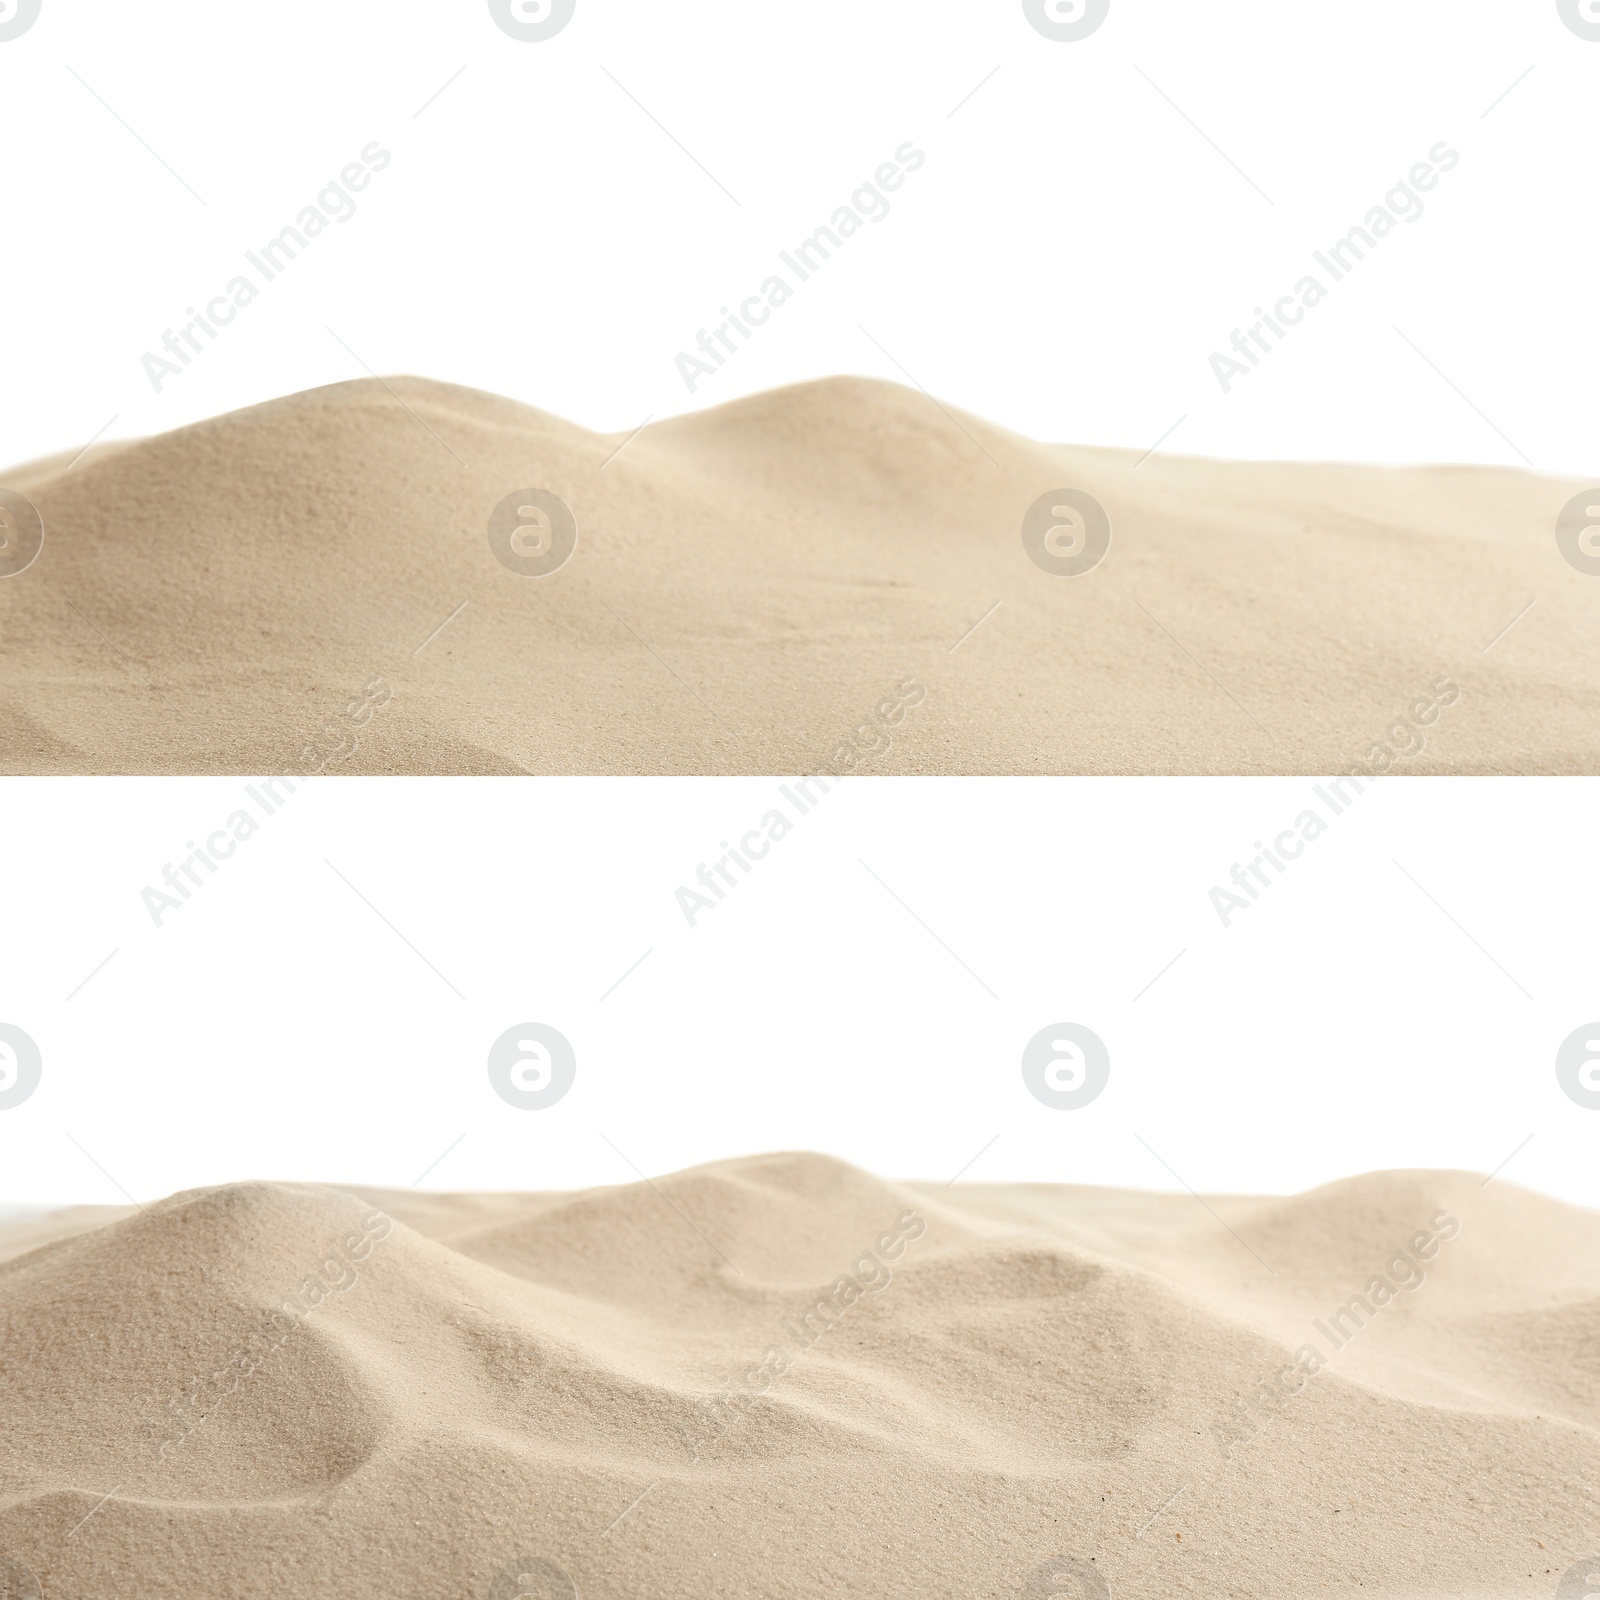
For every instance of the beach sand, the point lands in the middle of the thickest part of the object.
(830, 577)
(780, 1376)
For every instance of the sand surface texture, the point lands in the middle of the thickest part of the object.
(779, 1376)
(830, 577)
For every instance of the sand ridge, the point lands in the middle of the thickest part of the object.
(780, 1375)
(309, 585)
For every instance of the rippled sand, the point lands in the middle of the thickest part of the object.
(782, 1376)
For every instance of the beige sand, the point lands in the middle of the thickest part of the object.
(753, 583)
(636, 1387)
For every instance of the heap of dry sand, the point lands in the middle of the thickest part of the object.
(780, 1376)
(830, 577)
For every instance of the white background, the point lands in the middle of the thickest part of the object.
(278, 1026)
(1071, 253)
(1066, 261)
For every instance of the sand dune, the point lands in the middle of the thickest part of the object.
(780, 1376)
(786, 583)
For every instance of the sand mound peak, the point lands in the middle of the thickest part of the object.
(736, 589)
(198, 1341)
(845, 417)
(1531, 1240)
